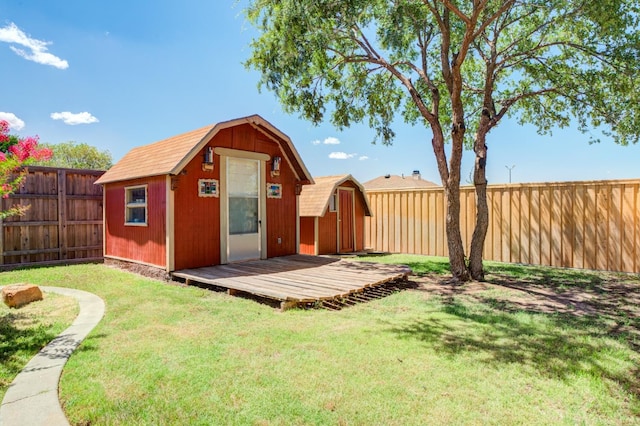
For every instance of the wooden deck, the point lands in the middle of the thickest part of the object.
(297, 279)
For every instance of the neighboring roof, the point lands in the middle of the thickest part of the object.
(398, 182)
(314, 199)
(170, 156)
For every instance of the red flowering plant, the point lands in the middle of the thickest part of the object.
(15, 154)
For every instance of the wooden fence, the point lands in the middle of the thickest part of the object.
(589, 225)
(63, 223)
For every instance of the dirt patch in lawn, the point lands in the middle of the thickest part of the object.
(611, 299)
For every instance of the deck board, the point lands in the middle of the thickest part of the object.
(298, 278)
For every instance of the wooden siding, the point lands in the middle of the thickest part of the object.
(62, 224)
(591, 225)
(197, 219)
(328, 233)
(347, 225)
(281, 212)
(360, 211)
(307, 235)
(328, 224)
(144, 244)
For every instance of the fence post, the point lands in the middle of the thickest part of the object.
(62, 213)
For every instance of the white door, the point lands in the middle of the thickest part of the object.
(243, 200)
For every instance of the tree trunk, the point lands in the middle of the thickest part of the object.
(454, 238)
(451, 182)
(482, 210)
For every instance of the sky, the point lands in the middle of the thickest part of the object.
(119, 74)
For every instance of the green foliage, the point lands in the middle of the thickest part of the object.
(547, 63)
(10, 141)
(74, 155)
(462, 66)
(18, 152)
(307, 56)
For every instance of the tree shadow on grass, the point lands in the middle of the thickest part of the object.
(611, 301)
(559, 346)
(556, 277)
(91, 343)
(14, 339)
(18, 345)
(558, 322)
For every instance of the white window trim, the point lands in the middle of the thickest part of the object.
(229, 152)
(128, 205)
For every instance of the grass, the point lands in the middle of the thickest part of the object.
(24, 331)
(420, 265)
(167, 354)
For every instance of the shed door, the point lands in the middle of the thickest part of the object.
(345, 220)
(243, 183)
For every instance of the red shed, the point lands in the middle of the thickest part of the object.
(332, 215)
(223, 193)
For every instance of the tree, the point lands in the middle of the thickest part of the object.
(76, 155)
(458, 68)
(7, 141)
(15, 153)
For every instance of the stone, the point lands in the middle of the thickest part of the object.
(17, 295)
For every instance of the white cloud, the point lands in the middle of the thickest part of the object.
(37, 50)
(331, 141)
(328, 141)
(341, 155)
(14, 122)
(73, 119)
(363, 157)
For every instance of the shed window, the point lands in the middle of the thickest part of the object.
(332, 203)
(136, 205)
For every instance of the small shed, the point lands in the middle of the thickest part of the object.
(223, 193)
(332, 215)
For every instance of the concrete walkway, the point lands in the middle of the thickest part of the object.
(32, 398)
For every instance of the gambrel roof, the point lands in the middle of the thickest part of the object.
(314, 199)
(170, 156)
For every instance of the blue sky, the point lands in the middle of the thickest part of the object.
(119, 74)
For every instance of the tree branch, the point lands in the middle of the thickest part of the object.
(451, 7)
(508, 103)
(505, 7)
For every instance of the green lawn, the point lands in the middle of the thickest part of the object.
(24, 331)
(166, 354)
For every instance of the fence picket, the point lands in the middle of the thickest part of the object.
(592, 224)
(60, 225)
